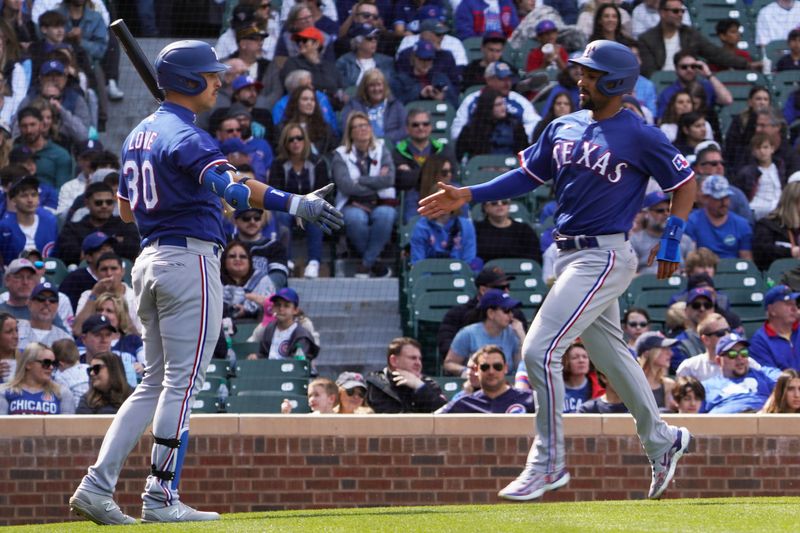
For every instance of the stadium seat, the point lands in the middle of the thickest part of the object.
(482, 168)
(288, 385)
(243, 349)
(776, 50)
(649, 282)
(527, 277)
(784, 83)
(733, 265)
(204, 403)
(662, 79)
(55, 270)
(746, 303)
(472, 45)
(268, 403)
(244, 328)
(736, 280)
(438, 267)
(656, 302)
(211, 384)
(450, 385)
(427, 314)
(776, 270)
(751, 326)
(441, 114)
(273, 368)
(217, 368)
(708, 16)
(430, 284)
(518, 57)
(531, 301)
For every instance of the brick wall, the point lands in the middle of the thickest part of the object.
(258, 463)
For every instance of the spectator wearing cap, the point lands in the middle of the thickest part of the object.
(654, 354)
(497, 326)
(85, 153)
(352, 394)
(300, 19)
(777, 342)
(58, 72)
(52, 26)
(363, 56)
(230, 136)
(424, 78)
(386, 113)
(110, 271)
(19, 279)
(499, 77)
(43, 308)
(83, 278)
(790, 61)
(324, 74)
(549, 52)
(249, 42)
(354, 12)
(526, 29)
(53, 163)
(491, 50)
(775, 20)
(495, 394)
(29, 226)
(100, 200)
(10, 174)
(704, 365)
(476, 17)
(499, 236)
(491, 129)
(265, 239)
(285, 338)
(400, 387)
(700, 303)
(432, 27)
(709, 161)
(777, 235)
(462, 315)
(659, 43)
(656, 207)
(714, 227)
(249, 12)
(245, 91)
(97, 334)
(740, 388)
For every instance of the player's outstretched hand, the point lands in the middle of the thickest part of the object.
(313, 208)
(446, 200)
(665, 268)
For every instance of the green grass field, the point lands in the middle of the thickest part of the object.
(700, 515)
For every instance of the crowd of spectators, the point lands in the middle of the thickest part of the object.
(347, 92)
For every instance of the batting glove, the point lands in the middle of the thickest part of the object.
(313, 208)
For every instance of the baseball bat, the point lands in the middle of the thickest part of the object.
(137, 57)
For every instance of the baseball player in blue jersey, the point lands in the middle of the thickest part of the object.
(599, 160)
(173, 176)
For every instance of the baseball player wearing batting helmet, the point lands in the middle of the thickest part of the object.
(598, 160)
(173, 176)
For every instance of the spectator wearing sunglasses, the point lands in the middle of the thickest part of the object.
(32, 390)
(740, 388)
(326, 77)
(100, 200)
(363, 56)
(635, 322)
(43, 308)
(687, 68)
(699, 304)
(671, 34)
(107, 386)
(656, 211)
(110, 272)
(495, 395)
(497, 326)
(71, 373)
(499, 236)
(704, 365)
(28, 222)
(777, 342)
(352, 394)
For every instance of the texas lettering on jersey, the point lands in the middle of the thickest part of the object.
(589, 155)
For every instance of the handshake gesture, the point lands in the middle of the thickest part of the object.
(313, 208)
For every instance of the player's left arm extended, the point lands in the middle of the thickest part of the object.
(668, 251)
(242, 192)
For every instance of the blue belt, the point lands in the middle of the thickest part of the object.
(580, 242)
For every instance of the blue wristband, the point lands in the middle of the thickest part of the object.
(670, 246)
(276, 199)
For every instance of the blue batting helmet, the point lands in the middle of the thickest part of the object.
(616, 60)
(179, 66)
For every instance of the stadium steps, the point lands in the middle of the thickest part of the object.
(356, 320)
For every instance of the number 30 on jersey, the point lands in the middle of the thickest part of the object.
(141, 183)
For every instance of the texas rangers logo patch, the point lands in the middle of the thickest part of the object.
(680, 162)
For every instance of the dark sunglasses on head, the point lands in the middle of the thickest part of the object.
(702, 305)
(637, 324)
(248, 218)
(296, 138)
(232, 130)
(499, 202)
(94, 369)
(497, 366)
(48, 299)
(733, 354)
(420, 124)
(719, 334)
(100, 203)
(692, 66)
(47, 363)
(358, 391)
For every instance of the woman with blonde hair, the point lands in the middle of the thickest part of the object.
(32, 390)
(387, 114)
(126, 342)
(363, 171)
(9, 343)
(654, 354)
(785, 397)
(777, 235)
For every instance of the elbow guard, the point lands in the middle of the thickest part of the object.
(219, 180)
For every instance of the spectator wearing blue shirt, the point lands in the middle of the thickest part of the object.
(740, 389)
(495, 395)
(714, 227)
(449, 236)
(31, 226)
(777, 342)
(687, 67)
(497, 326)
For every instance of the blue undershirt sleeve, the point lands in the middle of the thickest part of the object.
(507, 185)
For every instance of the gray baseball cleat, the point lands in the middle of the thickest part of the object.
(102, 510)
(664, 466)
(178, 512)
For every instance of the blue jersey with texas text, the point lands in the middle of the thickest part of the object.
(600, 169)
(163, 162)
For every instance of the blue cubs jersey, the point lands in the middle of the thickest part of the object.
(600, 170)
(32, 403)
(163, 162)
(512, 401)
